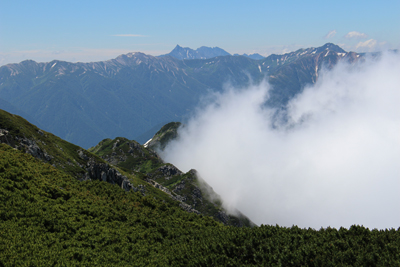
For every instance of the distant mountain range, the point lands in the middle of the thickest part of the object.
(135, 94)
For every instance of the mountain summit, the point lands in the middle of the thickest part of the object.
(203, 52)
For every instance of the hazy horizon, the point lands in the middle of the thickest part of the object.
(77, 31)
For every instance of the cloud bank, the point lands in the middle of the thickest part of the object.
(334, 161)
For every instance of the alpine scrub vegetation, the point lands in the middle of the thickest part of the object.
(50, 216)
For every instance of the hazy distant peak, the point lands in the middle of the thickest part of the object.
(255, 56)
(203, 52)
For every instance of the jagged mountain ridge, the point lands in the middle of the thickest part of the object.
(126, 96)
(203, 52)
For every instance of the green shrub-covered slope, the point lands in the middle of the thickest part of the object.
(194, 194)
(48, 217)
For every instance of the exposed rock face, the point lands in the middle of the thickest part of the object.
(28, 145)
(179, 198)
(166, 172)
(169, 170)
(103, 172)
(4, 139)
(221, 216)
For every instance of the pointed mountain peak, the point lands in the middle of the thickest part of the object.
(332, 47)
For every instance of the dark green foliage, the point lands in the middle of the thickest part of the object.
(48, 218)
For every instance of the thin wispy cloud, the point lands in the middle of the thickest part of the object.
(129, 35)
(371, 43)
(330, 34)
(355, 35)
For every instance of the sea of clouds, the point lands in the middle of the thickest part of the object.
(331, 158)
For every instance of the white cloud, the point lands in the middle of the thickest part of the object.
(129, 35)
(330, 34)
(356, 35)
(335, 164)
(370, 44)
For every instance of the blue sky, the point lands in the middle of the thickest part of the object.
(99, 30)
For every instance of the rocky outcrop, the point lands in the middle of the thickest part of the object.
(120, 153)
(166, 172)
(176, 197)
(28, 145)
(103, 172)
(188, 208)
(169, 170)
(4, 138)
(223, 217)
(158, 186)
